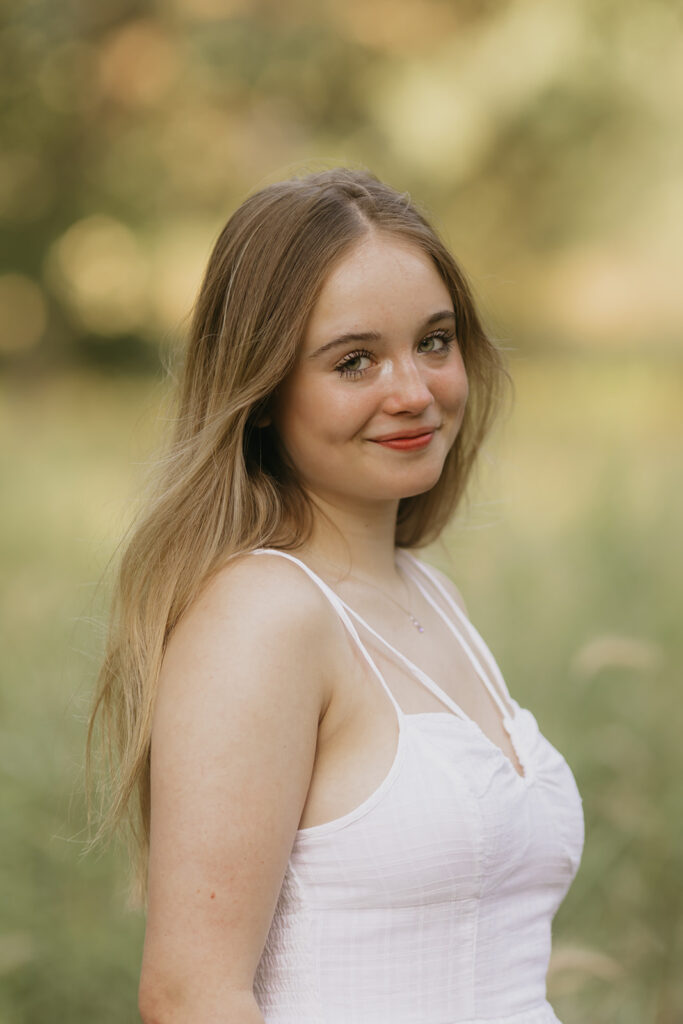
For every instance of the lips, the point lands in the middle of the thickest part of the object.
(410, 440)
(406, 434)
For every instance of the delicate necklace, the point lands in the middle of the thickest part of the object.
(415, 621)
(413, 618)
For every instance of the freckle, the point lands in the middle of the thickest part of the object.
(213, 895)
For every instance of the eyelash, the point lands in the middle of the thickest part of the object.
(445, 336)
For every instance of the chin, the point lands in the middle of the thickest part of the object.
(420, 484)
(413, 492)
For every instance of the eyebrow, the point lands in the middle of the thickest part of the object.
(344, 339)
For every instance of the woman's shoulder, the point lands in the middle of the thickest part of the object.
(260, 620)
(266, 592)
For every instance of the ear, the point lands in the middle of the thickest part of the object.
(263, 421)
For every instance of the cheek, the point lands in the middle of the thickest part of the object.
(452, 388)
(464, 387)
(310, 414)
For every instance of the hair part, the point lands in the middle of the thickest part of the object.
(225, 485)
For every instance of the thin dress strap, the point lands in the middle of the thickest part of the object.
(346, 613)
(409, 561)
(341, 609)
(426, 680)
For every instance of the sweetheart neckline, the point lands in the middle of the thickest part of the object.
(508, 723)
(325, 828)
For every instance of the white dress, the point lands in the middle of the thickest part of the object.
(432, 901)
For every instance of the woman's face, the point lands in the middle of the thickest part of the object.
(377, 394)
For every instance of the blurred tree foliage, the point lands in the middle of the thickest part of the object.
(543, 137)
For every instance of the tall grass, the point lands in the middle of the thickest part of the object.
(569, 560)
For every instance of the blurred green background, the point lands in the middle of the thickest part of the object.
(544, 138)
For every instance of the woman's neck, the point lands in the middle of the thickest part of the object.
(353, 541)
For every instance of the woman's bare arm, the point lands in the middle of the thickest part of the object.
(242, 689)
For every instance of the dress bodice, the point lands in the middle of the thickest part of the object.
(432, 901)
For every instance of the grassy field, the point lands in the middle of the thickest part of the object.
(569, 558)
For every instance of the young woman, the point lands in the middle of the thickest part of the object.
(342, 814)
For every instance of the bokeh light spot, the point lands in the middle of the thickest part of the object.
(99, 269)
(138, 64)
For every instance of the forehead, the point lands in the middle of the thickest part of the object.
(381, 279)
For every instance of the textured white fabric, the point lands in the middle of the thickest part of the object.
(432, 901)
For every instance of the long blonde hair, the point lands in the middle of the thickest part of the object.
(225, 485)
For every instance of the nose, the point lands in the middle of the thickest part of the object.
(407, 390)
